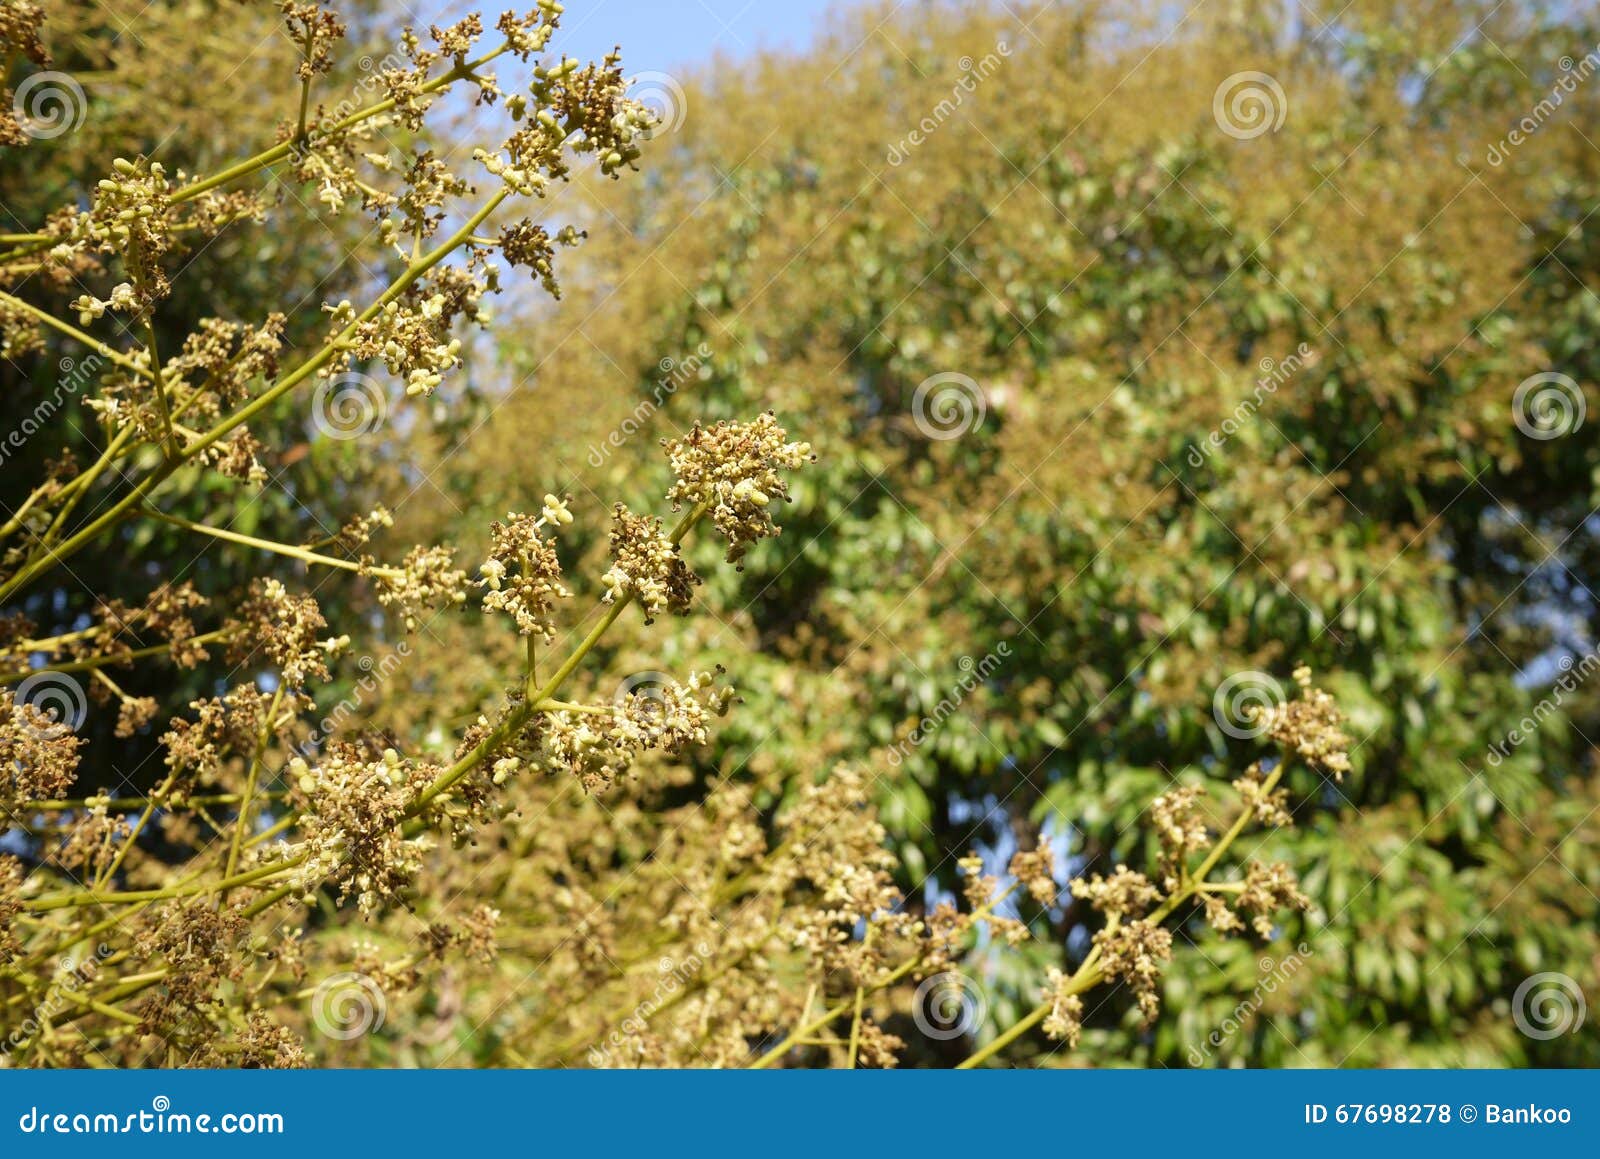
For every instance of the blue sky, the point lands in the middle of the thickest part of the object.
(663, 35)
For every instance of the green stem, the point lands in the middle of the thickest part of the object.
(169, 437)
(855, 1020)
(132, 897)
(133, 835)
(282, 152)
(130, 804)
(306, 369)
(242, 820)
(72, 331)
(121, 657)
(1006, 1038)
(305, 555)
(909, 966)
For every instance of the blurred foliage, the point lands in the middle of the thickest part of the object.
(1358, 294)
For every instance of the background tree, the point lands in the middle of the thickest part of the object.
(1239, 387)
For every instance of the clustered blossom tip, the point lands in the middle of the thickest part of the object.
(733, 471)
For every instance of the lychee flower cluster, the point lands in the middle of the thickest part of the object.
(222, 358)
(413, 342)
(1268, 889)
(984, 893)
(836, 844)
(1176, 817)
(647, 565)
(1270, 806)
(1135, 953)
(11, 880)
(316, 29)
(1126, 893)
(1064, 1023)
(123, 299)
(358, 532)
(1132, 947)
(20, 23)
(529, 34)
(351, 826)
(599, 747)
(38, 753)
(131, 216)
(591, 101)
(428, 579)
(522, 576)
(231, 724)
(167, 614)
(734, 471)
(1035, 869)
(195, 938)
(285, 627)
(1308, 726)
(530, 246)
